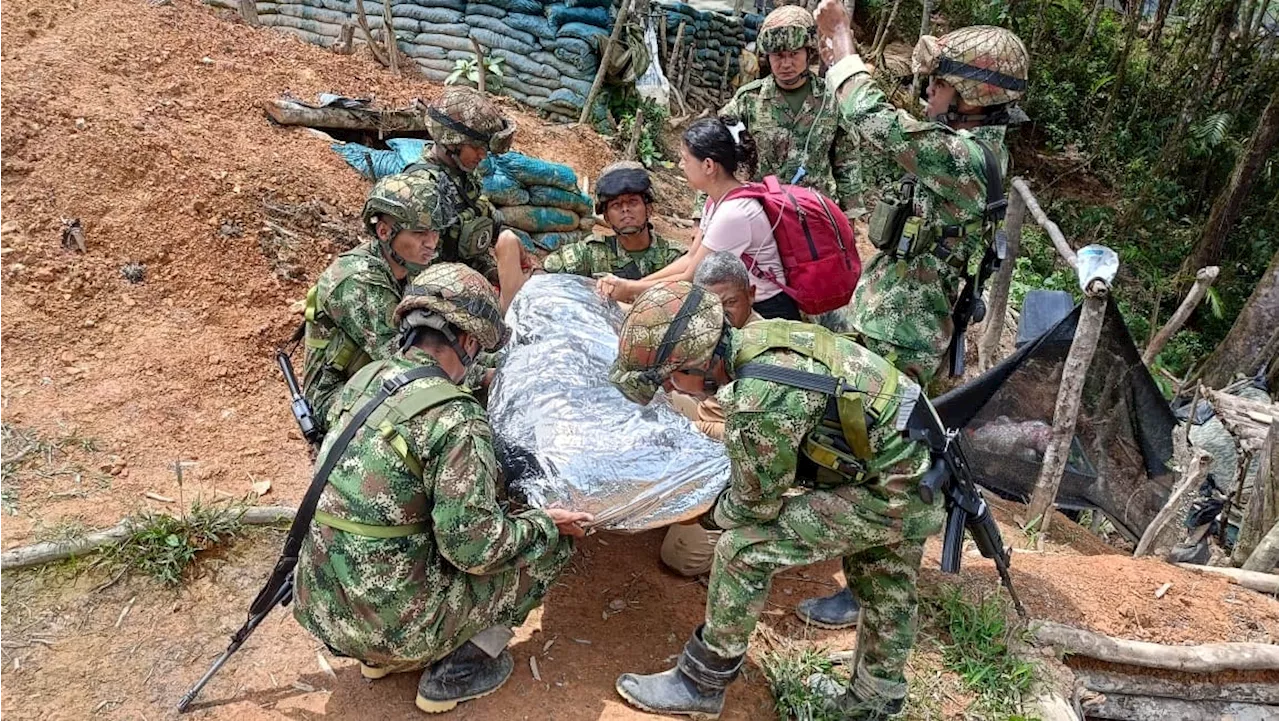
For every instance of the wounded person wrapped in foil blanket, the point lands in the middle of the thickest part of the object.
(566, 437)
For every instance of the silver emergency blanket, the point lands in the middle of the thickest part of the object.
(566, 437)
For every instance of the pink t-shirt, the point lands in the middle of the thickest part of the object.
(739, 226)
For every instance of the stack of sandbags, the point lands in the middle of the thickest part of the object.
(540, 200)
(550, 52)
(751, 23)
(717, 39)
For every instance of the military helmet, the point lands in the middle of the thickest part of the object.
(451, 297)
(787, 28)
(410, 201)
(987, 65)
(622, 178)
(671, 327)
(464, 116)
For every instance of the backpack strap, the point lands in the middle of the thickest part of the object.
(996, 201)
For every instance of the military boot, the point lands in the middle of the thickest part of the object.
(850, 707)
(464, 674)
(695, 687)
(839, 610)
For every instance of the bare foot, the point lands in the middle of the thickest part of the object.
(835, 35)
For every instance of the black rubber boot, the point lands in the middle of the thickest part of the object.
(850, 708)
(695, 687)
(464, 674)
(839, 610)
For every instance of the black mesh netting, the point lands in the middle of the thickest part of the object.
(1119, 457)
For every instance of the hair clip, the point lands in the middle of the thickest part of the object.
(736, 131)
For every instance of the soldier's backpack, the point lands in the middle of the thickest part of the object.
(815, 242)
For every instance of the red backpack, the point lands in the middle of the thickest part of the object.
(815, 242)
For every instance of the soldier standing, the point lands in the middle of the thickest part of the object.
(902, 308)
(859, 473)
(410, 562)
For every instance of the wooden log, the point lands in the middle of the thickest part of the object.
(389, 35)
(1252, 580)
(346, 36)
(1264, 505)
(1194, 463)
(1153, 708)
(1204, 278)
(664, 60)
(998, 297)
(637, 127)
(368, 34)
(1266, 557)
(1205, 658)
(605, 53)
(249, 12)
(1109, 682)
(291, 112)
(50, 551)
(1074, 372)
(1055, 233)
(481, 69)
(673, 68)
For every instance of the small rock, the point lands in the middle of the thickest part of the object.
(81, 124)
(206, 60)
(139, 125)
(617, 604)
(134, 272)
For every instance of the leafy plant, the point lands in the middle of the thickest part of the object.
(979, 648)
(163, 546)
(803, 684)
(469, 68)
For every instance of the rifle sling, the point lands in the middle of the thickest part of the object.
(307, 509)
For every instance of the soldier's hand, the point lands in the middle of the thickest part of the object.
(607, 285)
(569, 522)
(835, 36)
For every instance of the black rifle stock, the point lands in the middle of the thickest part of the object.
(298, 403)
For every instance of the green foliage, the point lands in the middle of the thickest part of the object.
(469, 69)
(650, 148)
(163, 546)
(979, 648)
(792, 675)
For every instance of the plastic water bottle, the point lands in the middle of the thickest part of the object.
(1096, 262)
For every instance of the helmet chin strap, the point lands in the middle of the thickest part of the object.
(410, 268)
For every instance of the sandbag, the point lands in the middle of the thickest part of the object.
(496, 41)
(422, 51)
(588, 3)
(515, 84)
(569, 98)
(533, 171)
(485, 10)
(576, 53)
(553, 241)
(595, 37)
(539, 219)
(562, 15)
(459, 5)
(501, 27)
(573, 200)
(435, 16)
(566, 436)
(524, 64)
(502, 190)
(448, 42)
(323, 41)
(564, 68)
(535, 25)
(527, 7)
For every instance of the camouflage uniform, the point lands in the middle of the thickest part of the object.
(348, 311)
(467, 195)
(410, 554)
(902, 308)
(605, 254)
(875, 522)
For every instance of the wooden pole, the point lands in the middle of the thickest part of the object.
(623, 11)
(637, 126)
(1266, 555)
(1055, 233)
(664, 59)
(249, 12)
(1115, 682)
(1206, 658)
(673, 69)
(345, 38)
(1204, 278)
(389, 33)
(481, 68)
(1074, 373)
(368, 34)
(1262, 511)
(998, 299)
(1261, 582)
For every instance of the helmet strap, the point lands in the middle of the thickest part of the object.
(410, 268)
(465, 358)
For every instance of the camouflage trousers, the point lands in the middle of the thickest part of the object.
(881, 557)
(472, 604)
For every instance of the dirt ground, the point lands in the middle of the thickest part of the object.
(143, 121)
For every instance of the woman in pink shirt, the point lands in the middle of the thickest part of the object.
(714, 152)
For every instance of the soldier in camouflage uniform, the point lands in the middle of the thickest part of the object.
(793, 118)
(348, 311)
(410, 561)
(859, 499)
(624, 199)
(465, 127)
(902, 308)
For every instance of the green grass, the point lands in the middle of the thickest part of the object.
(791, 674)
(162, 546)
(977, 649)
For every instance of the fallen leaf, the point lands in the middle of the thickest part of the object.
(533, 666)
(324, 665)
(262, 488)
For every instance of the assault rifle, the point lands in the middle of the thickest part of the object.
(298, 403)
(970, 308)
(966, 508)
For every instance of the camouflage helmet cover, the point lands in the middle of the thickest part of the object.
(464, 116)
(987, 65)
(460, 296)
(623, 178)
(671, 327)
(410, 201)
(788, 28)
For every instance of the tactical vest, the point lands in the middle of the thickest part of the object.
(841, 444)
(893, 228)
(397, 409)
(473, 234)
(347, 356)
